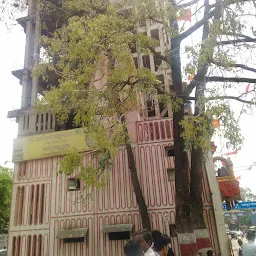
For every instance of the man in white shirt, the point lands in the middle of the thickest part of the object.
(144, 238)
(249, 249)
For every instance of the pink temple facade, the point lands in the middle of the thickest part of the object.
(51, 214)
(42, 205)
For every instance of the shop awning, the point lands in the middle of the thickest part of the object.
(71, 233)
(118, 228)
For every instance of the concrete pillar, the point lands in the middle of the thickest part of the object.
(217, 206)
(28, 59)
(36, 52)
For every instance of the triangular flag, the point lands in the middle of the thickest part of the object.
(247, 88)
(216, 123)
(231, 153)
(185, 15)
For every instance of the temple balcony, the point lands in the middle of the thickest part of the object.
(52, 79)
(151, 131)
(49, 23)
(32, 122)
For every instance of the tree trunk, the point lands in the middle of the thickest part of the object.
(196, 187)
(183, 206)
(137, 189)
(184, 229)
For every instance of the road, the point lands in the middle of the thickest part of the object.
(235, 246)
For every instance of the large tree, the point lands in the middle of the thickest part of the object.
(90, 52)
(247, 195)
(5, 198)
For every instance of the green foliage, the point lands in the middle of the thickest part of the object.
(70, 162)
(99, 83)
(5, 198)
(197, 132)
(247, 194)
(94, 173)
(229, 127)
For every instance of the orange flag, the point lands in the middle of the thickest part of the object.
(185, 15)
(191, 76)
(216, 123)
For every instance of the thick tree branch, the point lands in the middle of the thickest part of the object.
(228, 3)
(155, 20)
(236, 35)
(230, 79)
(200, 87)
(190, 87)
(237, 98)
(192, 29)
(197, 78)
(237, 41)
(188, 4)
(159, 55)
(235, 65)
(200, 76)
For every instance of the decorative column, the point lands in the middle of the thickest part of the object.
(36, 56)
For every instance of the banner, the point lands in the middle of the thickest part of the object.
(49, 144)
(242, 205)
(229, 188)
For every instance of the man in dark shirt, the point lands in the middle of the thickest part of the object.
(155, 234)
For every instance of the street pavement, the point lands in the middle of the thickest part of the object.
(235, 246)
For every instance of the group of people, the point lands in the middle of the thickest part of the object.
(149, 244)
(152, 243)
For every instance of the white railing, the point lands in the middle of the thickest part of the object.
(32, 122)
(154, 130)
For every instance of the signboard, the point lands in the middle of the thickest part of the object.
(49, 144)
(242, 205)
(229, 189)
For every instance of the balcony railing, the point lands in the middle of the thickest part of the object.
(32, 122)
(154, 130)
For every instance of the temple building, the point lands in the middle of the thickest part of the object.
(48, 216)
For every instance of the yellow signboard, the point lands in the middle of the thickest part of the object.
(49, 144)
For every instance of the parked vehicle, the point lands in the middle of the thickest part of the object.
(233, 234)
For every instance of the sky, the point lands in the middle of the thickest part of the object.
(12, 55)
(12, 45)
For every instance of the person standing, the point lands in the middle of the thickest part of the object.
(132, 248)
(161, 244)
(155, 234)
(144, 238)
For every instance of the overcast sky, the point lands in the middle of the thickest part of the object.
(12, 54)
(12, 45)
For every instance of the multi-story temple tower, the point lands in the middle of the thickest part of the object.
(47, 217)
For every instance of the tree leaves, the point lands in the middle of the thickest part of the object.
(5, 197)
(99, 82)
